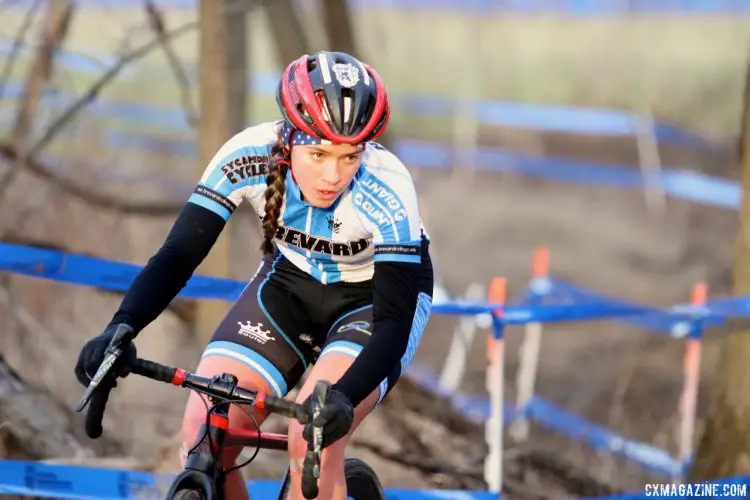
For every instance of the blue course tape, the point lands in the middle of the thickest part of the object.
(100, 273)
(36, 479)
(547, 118)
(674, 180)
(599, 437)
(691, 186)
(559, 420)
(685, 185)
(110, 275)
(656, 320)
(117, 276)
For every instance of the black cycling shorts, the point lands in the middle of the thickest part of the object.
(284, 317)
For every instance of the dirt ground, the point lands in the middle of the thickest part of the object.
(601, 239)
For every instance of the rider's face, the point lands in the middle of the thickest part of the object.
(322, 171)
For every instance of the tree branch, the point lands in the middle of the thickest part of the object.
(156, 21)
(184, 309)
(12, 153)
(91, 197)
(17, 44)
(338, 25)
(287, 31)
(337, 22)
(111, 73)
(103, 81)
(40, 71)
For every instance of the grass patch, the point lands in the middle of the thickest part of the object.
(689, 70)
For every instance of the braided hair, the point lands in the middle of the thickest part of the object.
(275, 186)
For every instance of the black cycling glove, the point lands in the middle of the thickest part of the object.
(92, 355)
(336, 418)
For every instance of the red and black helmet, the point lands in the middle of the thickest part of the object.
(334, 96)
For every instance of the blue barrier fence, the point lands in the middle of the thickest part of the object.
(586, 8)
(549, 118)
(117, 276)
(565, 302)
(89, 483)
(673, 180)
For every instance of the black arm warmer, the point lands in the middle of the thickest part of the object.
(193, 234)
(395, 293)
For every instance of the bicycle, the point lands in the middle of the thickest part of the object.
(202, 478)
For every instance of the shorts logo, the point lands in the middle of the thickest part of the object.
(255, 332)
(360, 326)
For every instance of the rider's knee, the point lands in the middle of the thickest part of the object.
(297, 446)
(332, 454)
(193, 431)
(197, 406)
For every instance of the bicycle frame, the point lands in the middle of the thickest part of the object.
(203, 469)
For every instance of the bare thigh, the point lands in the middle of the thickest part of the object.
(197, 405)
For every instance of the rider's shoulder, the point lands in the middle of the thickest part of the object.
(382, 164)
(262, 135)
(379, 161)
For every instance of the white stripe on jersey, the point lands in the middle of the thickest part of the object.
(379, 209)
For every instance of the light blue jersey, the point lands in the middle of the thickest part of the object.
(375, 219)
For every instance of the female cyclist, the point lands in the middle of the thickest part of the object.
(346, 270)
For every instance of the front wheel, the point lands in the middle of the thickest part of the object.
(361, 481)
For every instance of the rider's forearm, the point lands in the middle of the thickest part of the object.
(395, 293)
(193, 234)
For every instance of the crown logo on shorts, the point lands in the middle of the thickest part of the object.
(255, 332)
(334, 225)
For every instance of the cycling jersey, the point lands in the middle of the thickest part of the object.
(369, 244)
(376, 218)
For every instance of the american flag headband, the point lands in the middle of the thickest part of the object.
(300, 138)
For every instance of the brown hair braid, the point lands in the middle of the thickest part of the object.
(275, 186)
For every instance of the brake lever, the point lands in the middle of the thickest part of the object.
(321, 394)
(122, 336)
(311, 465)
(109, 360)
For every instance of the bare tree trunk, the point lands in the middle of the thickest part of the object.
(338, 25)
(156, 20)
(40, 71)
(724, 448)
(337, 21)
(53, 33)
(289, 36)
(220, 116)
(243, 226)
